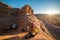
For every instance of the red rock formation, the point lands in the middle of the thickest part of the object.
(23, 17)
(15, 11)
(4, 9)
(4, 16)
(28, 18)
(28, 10)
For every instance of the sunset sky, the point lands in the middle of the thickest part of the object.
(39, 6)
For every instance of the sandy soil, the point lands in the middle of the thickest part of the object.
(16, 35)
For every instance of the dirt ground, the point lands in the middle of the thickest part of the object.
(17, 35)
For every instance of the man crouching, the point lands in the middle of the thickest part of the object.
(32, 31)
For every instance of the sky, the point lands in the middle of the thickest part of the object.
(39, 6)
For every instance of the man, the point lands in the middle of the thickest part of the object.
(32, 31)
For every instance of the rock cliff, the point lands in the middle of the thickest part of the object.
(15, 15)
(22, 17)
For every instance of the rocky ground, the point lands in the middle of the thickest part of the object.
(15, 35)
(22, 17)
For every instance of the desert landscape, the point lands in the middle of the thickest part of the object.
(21, 23)
(52, 23)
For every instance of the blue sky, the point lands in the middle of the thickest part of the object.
(39, 6)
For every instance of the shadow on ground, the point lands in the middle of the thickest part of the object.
(11, 32)
(14, 38)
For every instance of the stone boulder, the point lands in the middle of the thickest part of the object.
(28, 10)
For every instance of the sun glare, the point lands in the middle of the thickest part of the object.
(50, 12)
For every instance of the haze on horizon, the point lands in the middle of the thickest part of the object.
(39, 6)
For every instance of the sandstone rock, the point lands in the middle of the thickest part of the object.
(28, 10)
(15, 11)
(4, 9)
(5, 18)
(28, 18)
(22, 17)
